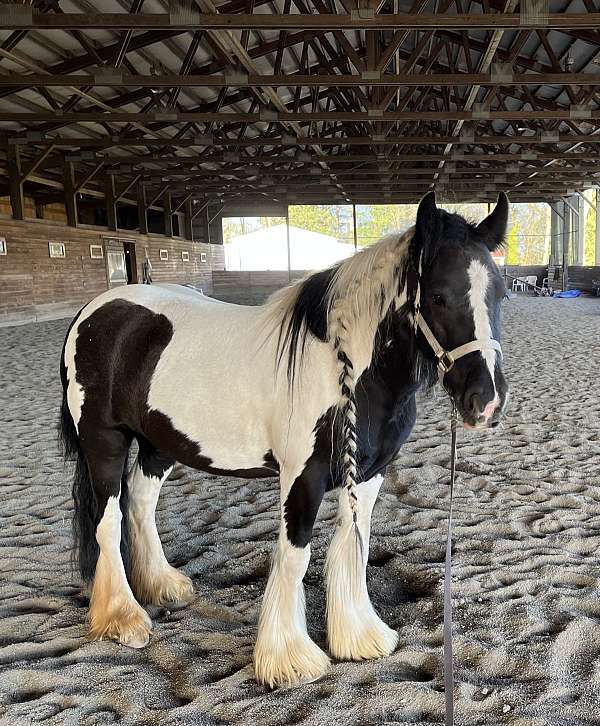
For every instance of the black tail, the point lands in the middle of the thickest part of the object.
(85, 517)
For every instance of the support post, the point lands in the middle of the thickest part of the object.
(188, 232)
(15, 183)
(142, 209)
(560, 223)
(354, 228)
(168, 212)
(70, 193)
(289, 251)
(566, 244)
(553, 233)
(111, 204)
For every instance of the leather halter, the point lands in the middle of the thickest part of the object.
(446, 358)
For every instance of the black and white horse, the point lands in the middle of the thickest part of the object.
(317, 386)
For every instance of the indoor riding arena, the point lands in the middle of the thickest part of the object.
(235, 148)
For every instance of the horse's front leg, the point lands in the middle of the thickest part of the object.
(355, 631)
(284, 652)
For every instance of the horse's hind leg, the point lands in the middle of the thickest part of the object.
(355, 631)
(153, 578)
(114, 612)
(284, 652)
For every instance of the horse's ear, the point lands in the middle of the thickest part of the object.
(427, 226)
(493, 227)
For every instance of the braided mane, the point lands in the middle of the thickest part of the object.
(343, 305)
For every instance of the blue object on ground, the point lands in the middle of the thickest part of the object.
(568, 293)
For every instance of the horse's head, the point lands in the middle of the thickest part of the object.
(460, 301)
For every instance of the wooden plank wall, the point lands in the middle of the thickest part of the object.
(250, 288)
(581, 278)
(34, 286)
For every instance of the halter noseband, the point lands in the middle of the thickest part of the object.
(446, 358)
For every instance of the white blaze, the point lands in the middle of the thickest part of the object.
(479, 280)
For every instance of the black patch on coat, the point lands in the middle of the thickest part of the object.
(86, 514)
(113, 380)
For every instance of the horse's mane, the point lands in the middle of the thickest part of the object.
(344, 306)
(344, 303)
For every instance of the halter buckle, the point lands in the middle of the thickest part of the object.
(445, 361)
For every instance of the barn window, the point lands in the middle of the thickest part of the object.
(56, 249)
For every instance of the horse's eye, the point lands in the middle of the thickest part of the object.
(439, 300)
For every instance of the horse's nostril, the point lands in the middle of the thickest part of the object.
(476, 404)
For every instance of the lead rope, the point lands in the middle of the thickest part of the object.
(448, 654)
(445, 363)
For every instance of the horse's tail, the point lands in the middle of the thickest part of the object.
(85, 516)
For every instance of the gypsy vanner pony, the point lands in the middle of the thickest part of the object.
(317, 386)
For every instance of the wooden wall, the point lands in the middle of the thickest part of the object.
(250, 288)
(581, 278)
(34, 286)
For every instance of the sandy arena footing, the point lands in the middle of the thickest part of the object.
(526, 574)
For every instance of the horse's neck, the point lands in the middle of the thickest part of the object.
(393, 365)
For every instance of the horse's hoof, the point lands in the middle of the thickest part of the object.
(169, 587)
(301, 661)
(136, 638)
(363, 640)
(128, 624)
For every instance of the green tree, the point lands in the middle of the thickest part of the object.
(590, 231)
(513, 253)
(321, 218)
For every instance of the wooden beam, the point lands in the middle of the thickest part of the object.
(159, 195)
(188, 227)
(574, 113)
(182, 202)
(27, 19)
(168, 214)
(70, 193)
(111, 204)
(126, 188)
(15, 182)
(116, 141)
(200, 209)
(142, 209)
(89, 176)
(337, 80)
(36, 163)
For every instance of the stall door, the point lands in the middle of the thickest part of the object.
(130, 262)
